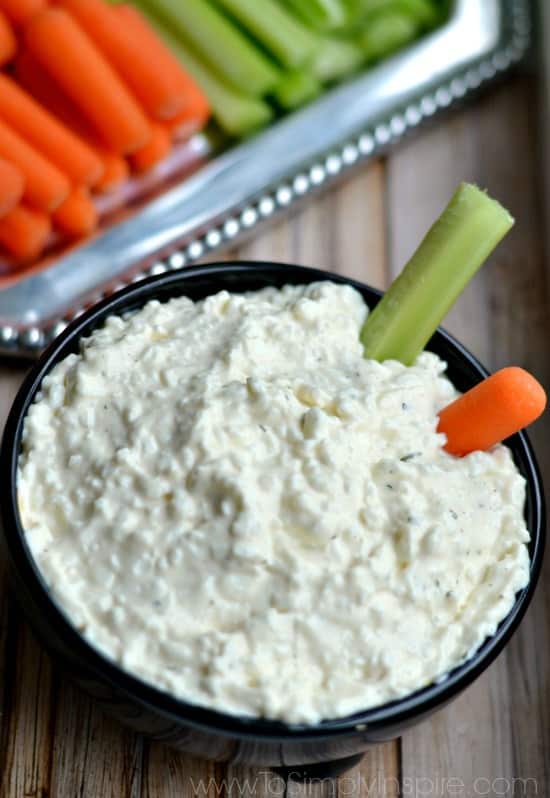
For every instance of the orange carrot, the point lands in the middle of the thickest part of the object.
(76, 216)
(71, 58)
(184, 126)
(20, 11)
(45, 186)
(196, 107)
(24, 232)
(498, 407)
(158, 85)
(154, 151)
(116, 171)
(37, 82)
(8, 42)
(48, 135)
(11, 187)
(30, 74)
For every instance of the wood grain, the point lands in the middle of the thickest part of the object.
(55, 744)
(487, 734)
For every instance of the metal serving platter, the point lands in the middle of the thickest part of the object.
(234, 192)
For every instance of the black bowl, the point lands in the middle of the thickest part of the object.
(327, 747)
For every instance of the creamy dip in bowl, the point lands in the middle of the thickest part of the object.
(231, 504)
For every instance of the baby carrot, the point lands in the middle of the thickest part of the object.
(196, 105)
(8, 43)
(498, 407)
(45, 186)
(20, 11)
(76, 216)
(155, 150)
(11, 187)
(30, 74)
(48, 135)
(72, 59)
(24, 232)
(115, 171)
(157, 84)
(43, 88)
(182, 127)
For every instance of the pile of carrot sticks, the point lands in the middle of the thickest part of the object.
(88, 94)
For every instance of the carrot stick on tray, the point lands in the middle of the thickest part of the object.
(498, 407)
(196, 108)
(157, 148)
(115, 171)
(45, 186)
(66, 52)
(11, 187)
(8, 42)
(182, 127)
(43, 88)
(47, 134)
(77, 215)
(20, 11)
(24, 232)
(155, 78)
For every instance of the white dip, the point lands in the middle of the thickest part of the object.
(229, 501)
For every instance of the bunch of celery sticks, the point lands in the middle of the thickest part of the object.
(256, 58)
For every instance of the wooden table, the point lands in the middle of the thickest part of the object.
(495, 738)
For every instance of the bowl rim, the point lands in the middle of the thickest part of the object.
(395, 713)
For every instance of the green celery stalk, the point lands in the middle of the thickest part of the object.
(443, 9)
(387, 32)
(353, 13)
(236, 113)
(295, 89)
(282, 34)
(218, 42)
(451, 253)
(337, 59)
(423, 12)
(323, 15)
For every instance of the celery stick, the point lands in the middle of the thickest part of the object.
(337, 59)
(323, 15)
(425, 11)
(422, 11)
(387, 32)
(295, 89)
(237, 114)
(451, 253)
(282, 34)
(220, 43)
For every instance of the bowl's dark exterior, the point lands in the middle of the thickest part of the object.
(194, 729)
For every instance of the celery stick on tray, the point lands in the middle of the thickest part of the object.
(453, 250)
(218, 41)
(295, 89)
(425, 12)
(281, 33)
(385, 33)
(237, 114)
(291, 43)
(323, 15)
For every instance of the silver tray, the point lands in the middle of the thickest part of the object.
(235, 191)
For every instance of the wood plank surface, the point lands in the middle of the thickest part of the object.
(496, 733)
(495, 738)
